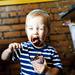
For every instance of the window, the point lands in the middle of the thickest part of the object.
(72, 30)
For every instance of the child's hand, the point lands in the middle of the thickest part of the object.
(13, 46)
(6, 53)
(39, 64)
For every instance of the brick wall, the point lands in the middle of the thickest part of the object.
(12, 19)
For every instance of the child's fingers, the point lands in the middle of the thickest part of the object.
(19, 46)
(10, 46)
(14, 46)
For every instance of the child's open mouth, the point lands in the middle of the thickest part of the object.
(35, 40)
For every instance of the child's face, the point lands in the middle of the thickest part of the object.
(36, 30)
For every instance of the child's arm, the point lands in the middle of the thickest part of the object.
(6, 53)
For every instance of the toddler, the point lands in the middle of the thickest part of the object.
(36, 56)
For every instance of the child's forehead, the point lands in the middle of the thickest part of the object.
(37, 15)
(36, 19)
(35, 25)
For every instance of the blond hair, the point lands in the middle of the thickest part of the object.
(38, 12)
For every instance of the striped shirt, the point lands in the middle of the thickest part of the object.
(28, 52)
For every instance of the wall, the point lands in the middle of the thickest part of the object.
(12, 19)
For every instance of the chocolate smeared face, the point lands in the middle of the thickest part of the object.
(36, 30)
(35, 40)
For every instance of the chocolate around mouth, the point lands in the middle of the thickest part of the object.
(34, 39)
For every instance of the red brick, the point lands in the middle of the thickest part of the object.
(59, 9)
(12, 8)
(18, 27)
(50, 4)
(20, 39)
(21, 13)
(65, 29)
(67, 3)
(5, 28)
(22, 20)
(58, 37)
(57, 23)
(55, 30)
(11, 34)
(2, 9)
(11, 14)
(5, 41)
(10, 21)
(51, 16)
(12, 27)
(66, 44)
(4, 14)
(26, 8)
(32, 6)
(56, 17)
(0, 21)
(23, 33)
(0, 35)
(8, 41)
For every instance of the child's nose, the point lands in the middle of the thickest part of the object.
(35, 31)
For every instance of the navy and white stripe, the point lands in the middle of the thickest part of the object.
(28, 52)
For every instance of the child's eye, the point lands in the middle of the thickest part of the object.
(30, 28)
(41, 28)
